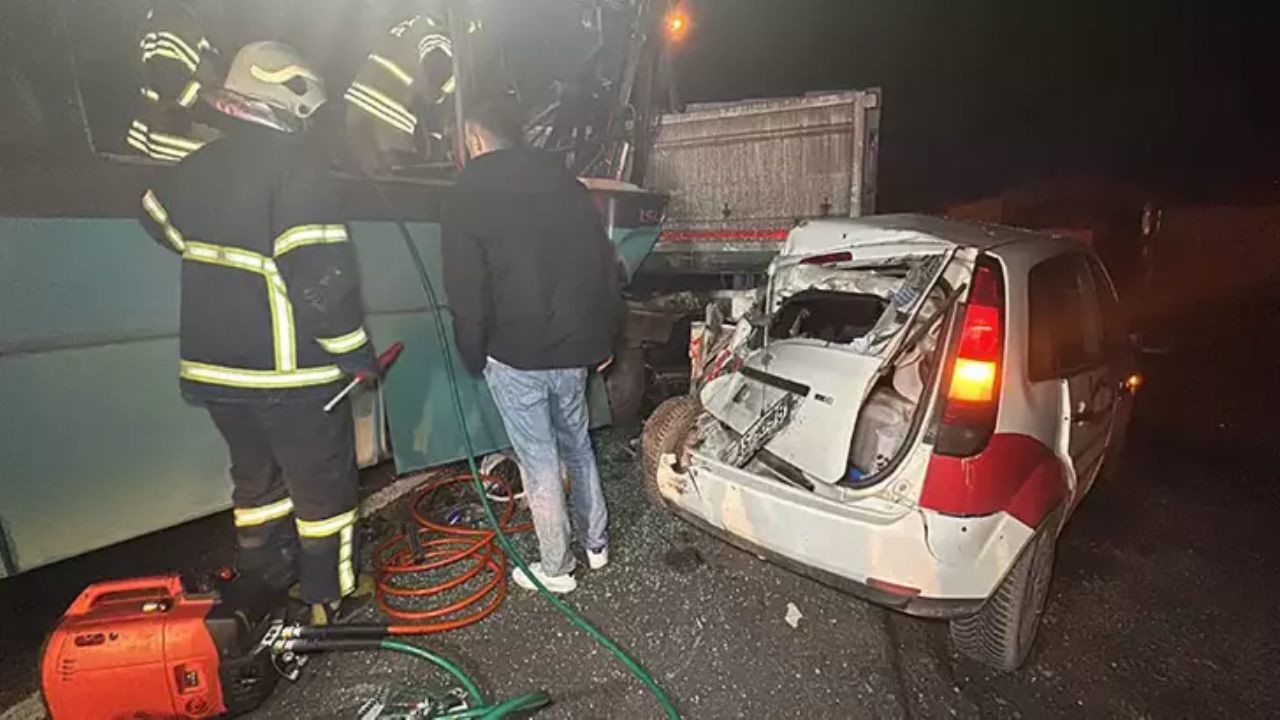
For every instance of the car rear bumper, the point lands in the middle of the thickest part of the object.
(916, 561)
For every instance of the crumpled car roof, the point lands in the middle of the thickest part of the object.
(831, 234)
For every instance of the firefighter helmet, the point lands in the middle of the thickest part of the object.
(276, 74)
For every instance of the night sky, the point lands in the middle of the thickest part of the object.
(1181, 96)
(1181, 99)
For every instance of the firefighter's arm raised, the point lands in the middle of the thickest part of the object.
(314, 256)
(175, 55)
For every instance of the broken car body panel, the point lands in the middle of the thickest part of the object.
(895, 271)
(924, 532)
(836, 383)
(925, 550)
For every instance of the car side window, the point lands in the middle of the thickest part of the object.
(1065, 332)
(1113, 326)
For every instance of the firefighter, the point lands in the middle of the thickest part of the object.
(271, 321)
(412, 62)
(176, 62)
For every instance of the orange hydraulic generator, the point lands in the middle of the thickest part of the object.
(151, 648)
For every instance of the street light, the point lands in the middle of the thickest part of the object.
(676, 22)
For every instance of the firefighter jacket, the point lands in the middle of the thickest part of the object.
(270, 299)
(175, 60)
(415, 57)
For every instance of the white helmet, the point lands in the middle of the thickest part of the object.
(277, 75)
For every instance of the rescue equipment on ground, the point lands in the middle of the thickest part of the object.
(152, 647)
(159, 647)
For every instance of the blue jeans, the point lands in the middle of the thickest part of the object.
(545, 414)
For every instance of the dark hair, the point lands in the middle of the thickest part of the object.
(500, 117)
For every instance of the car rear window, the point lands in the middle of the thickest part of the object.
(1065, 336)
(835, 317)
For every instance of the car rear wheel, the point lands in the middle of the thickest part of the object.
(1001, 634)
(666, 431)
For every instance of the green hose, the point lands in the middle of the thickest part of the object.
(523, 703)
(577, 619)
(473, 690)
(531, 701)
(327, 639)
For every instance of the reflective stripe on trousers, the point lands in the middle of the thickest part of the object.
(343, 526)
(247, 517)
(293, 449)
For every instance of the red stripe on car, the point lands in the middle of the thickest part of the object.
(1015, 473)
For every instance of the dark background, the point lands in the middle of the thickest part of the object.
(1179, 97)
(980, 95)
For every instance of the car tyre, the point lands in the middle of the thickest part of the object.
(1002, 632)
(666, 431)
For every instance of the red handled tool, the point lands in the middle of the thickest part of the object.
(385, 360)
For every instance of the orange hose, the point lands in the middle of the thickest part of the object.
(433, 547)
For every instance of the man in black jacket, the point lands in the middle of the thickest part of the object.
(271, 322)
(532, 281)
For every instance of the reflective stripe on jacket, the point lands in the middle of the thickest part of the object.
(415, 57)
(270, 299)
(175, 60)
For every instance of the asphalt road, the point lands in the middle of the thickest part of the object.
(1163, 605)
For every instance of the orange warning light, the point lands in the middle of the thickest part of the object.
(676, 23)
(1134, 383)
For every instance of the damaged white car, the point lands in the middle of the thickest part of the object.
(924, 404)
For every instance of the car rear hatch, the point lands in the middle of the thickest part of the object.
(844, 320)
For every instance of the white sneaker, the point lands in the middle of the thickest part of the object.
(597, 559)
(559, 584)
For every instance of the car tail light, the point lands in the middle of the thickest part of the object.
(971, 395)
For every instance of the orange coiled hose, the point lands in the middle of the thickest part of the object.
(432, 547)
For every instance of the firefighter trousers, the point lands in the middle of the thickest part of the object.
(296, 491)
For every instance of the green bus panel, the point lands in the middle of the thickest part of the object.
(96, 444)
